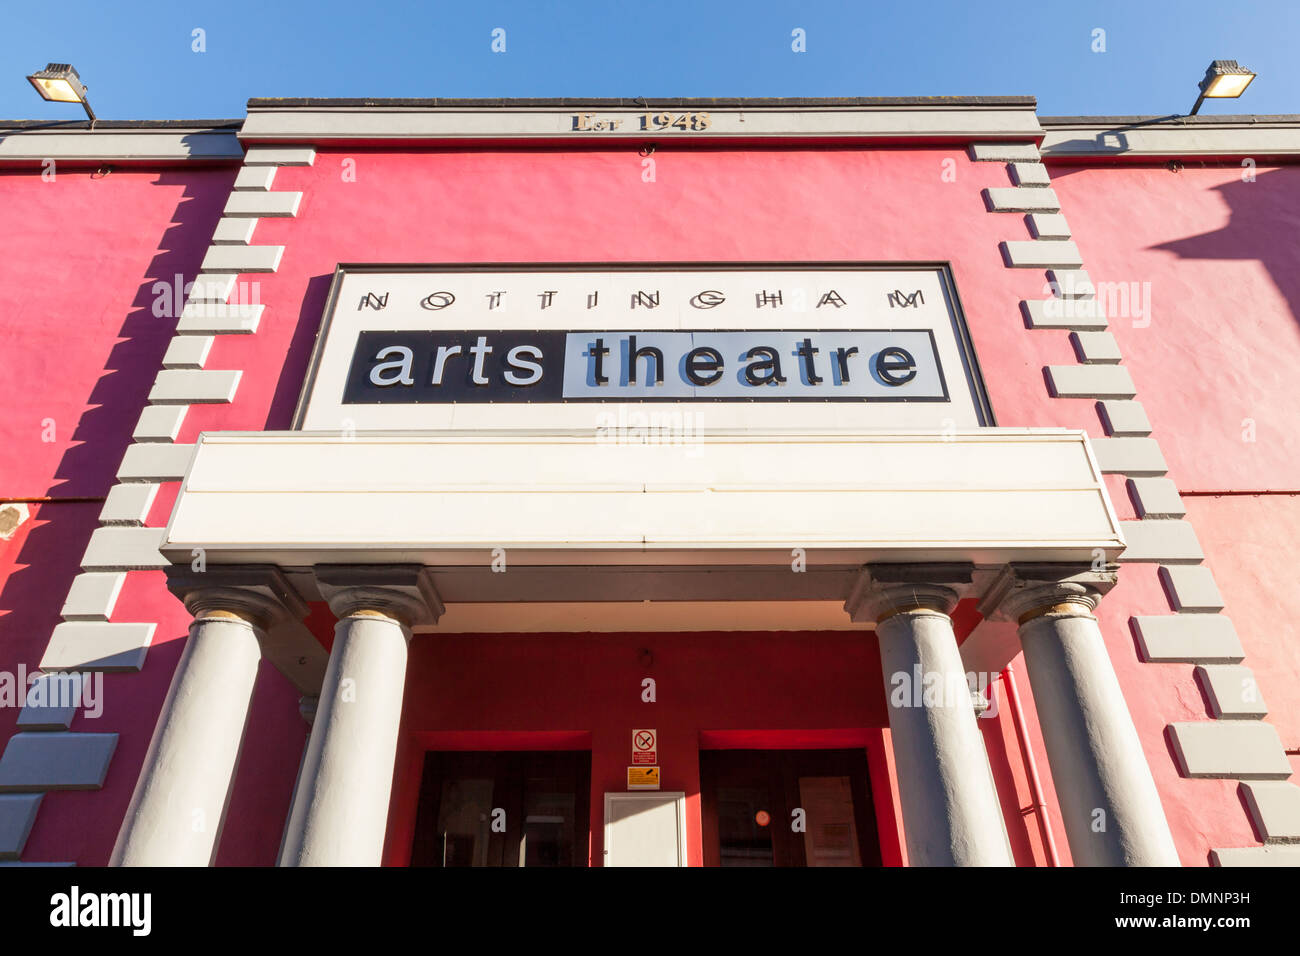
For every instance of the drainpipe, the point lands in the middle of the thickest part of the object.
(1031, 768)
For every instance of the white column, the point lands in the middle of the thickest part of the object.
(178, 808)
(339, 815)
(951, 813)
(1109, 804)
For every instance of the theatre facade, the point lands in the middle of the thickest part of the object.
(847, 482)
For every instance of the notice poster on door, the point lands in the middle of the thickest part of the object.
(831, 838)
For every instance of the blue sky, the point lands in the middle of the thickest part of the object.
(137, 58)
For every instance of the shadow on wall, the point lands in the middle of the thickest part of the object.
(49, 557)
(122, 391)
(293, 370)
(1262, 225)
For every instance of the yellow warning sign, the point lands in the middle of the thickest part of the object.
(643, 778)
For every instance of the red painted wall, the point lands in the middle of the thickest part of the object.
(80, 256)
(1222, 342)
(466, 205)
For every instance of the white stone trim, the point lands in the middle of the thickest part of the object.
(1275, 808)
(275, 156)
(97, 646)
(259, 178)
(187, 351)
(1048, 225)
(160, 423)
(1063, 314)
(194, 387)
(1040, 253)
(124, 549)
(1188, 639)
(128, 502)
(1129, 456)
(153, 462)
(93, 596)
(263, 204)
(1124, 418)
(234, 230)
(218, 318)
(1029, 174)
(1159, 541)
(1232, 691)
(1021, 199)
(143, 146)
(1236, 749)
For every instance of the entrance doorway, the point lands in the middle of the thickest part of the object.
(511, 808)
(787, 808)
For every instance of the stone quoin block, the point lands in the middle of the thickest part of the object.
(17, 814)
(1217, 749)
(154, 462)
(52, 701)
(1090, 381)
(999, 152)
(1188, 639)
(98, 646)
(211, 288)
(287, 156)
(1156, 498)
(1040, 253)
(1160, 542)
(129, 503)
(1096, 348)
(1191, 588)
(255, 177)
(93, 596)
(1029, 174)
(1021, 199)
(1124, 419)
(160, 423)
(1063, 314)
(219, 319)
(55, 761)
(1274, 808)
(1232, 692)
(243, 259)
(194, 386)
(1071, 283)
(1047, 225)
(1129, 456)
(234, 232)
(1282, 855)
(263, 204)
(187, 351)
(124, 549)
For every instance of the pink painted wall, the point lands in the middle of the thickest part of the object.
(79, 260)
(591, 205)
(1222, 342)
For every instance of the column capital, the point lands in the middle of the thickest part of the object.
(404, 592)
(1021, 592)
(883, 590)
(259, 594)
